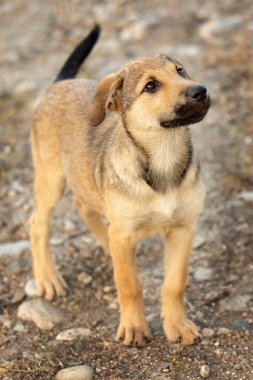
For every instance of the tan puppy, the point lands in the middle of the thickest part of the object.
(134, 167)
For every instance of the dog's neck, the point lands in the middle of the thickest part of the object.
(166, 155)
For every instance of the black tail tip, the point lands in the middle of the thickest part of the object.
(78, 55)
(95, 31)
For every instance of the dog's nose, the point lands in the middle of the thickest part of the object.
(198, 93)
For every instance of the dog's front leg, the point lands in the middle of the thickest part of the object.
(133, 328)
(178, 244)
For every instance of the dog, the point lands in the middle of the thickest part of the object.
(124, 148)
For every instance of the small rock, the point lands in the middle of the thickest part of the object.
(57, 241)
(113, 305)
(19, 327)
(134, 32)
(235, 303)
(203, 274)
(41, 312)
(17, 266)
(218, 352)
(81, 372)
(205, 371)
(25, 86)
(6, 323)
(108, 289)
(165, 365)
(18, 296)
(107, 297)
(15, 248)
(208, 333)
(199, 241)
(72, 334)
(30, 288)
(246, 196)
(199, 315)
(85, 278)
(212, 28)
(223, 331)
(241, 324)
(69, 226)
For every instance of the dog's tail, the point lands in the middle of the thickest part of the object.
(76, 58)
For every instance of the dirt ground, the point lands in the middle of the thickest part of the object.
(214, 42)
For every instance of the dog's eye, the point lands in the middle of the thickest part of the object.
(180, 71)
(151, 86)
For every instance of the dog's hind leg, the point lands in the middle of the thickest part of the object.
(94, 222)
(48, 189)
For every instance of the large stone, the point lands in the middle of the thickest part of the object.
(41, 312)
(14, 248)
(81, 372)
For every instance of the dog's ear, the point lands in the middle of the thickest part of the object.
(108, 96)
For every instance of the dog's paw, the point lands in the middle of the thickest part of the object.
(176, 328)
(136, 334)
(50, 284)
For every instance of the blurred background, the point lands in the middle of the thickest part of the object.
(214, 42)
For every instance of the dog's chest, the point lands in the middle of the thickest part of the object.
(157, 214)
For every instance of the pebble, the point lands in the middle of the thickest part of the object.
(108, 289)
(57, 241)
(18, 296)
(213, 28)
(41, 312)
(81, 372)
(19, 327)
(208, 333)
(241, 324)
(24, 87)
(165, 365)
(198, 242)
(205, 371)
(199, 315)
(14, 248)
(85, 278)
(237, 302)
(69, 226)
(72, 334)
(218, 352)
(16, 266)
(30, 288)
(246, 196)
(114, 305)
(6, 323)
(134, 32)
(223, 331)
(203, 274)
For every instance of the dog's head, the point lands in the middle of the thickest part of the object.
(151, 93)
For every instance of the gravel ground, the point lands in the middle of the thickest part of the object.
(214, 42)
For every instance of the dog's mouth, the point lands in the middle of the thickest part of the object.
(186, 114)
